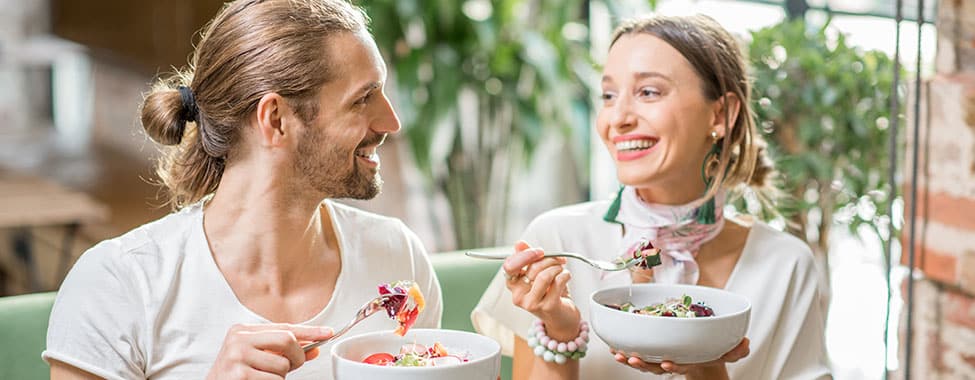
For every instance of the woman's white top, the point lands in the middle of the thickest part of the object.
(776, 273)
(152, 304)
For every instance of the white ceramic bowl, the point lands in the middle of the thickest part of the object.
(484, 363)
(680, 340)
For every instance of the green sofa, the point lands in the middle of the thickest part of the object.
(23, 319)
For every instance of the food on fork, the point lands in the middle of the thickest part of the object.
(403, 304)
(647, 255)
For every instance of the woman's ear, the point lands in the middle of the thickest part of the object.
(276, 122)
(725, 113)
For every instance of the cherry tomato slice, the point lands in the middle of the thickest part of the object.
(380, 358)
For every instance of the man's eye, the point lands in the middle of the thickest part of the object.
(364, 99)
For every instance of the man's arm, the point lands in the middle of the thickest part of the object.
(64, 371)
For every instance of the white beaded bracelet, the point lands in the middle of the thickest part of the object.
(560, 352)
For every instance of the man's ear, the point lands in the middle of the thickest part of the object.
(275, 120)
(719, 123)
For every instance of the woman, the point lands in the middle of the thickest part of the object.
(675, 117)
(283, 109)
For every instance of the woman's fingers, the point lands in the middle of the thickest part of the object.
(639, 364)
(514, 265)
(739, 352)
(539, 287)
(537, 267)
(558, 289)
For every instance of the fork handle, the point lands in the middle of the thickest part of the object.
(485, 255)
(337, 334)
(502, 256)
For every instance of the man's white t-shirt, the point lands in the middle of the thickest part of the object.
(775, 272)
(152, 304)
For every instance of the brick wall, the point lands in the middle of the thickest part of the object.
(944, 309)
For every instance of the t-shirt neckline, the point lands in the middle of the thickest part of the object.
(203, 246)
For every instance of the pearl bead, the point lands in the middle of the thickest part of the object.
(560, 359)
(544, 340)
(561, 347)
(572, 346)
(539, 350)
(552, 345)
(548, 356)
(532, 342)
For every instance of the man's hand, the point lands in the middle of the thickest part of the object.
(266, 351)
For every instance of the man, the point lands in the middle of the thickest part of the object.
(284, 110)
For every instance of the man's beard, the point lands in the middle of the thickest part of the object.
(323, 171)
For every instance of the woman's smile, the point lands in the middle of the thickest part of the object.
(633, 146)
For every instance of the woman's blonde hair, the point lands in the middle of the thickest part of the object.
(718, 61)
(251, 48)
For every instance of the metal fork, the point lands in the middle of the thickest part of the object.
(365, 311)
(598, 264)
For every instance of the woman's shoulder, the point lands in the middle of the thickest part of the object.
(584, 213)
(780, 246)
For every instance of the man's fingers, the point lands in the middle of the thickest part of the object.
(279, 342)
(301, 332)
(312, 353)
(310, 333)
(268, 362)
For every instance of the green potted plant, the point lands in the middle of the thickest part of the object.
(478, 83)
(823, 106)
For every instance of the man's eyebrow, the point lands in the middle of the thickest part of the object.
(366, 88)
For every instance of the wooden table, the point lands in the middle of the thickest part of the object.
(28, 202)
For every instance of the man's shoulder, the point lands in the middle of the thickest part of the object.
(147, 249)
(351, 215)
(174, 227)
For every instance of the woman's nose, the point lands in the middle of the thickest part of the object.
(621, 114)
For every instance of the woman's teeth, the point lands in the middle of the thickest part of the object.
(635, 145)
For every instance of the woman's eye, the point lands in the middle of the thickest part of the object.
(607, 96)
(649, 92)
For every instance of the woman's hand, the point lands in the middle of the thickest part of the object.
(710, 370)
(538, 285)
(266, 351)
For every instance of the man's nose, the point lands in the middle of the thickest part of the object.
(387, 121)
